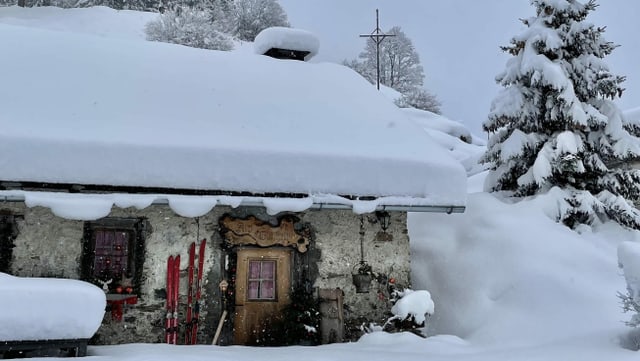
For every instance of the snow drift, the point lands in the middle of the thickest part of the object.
(49, 309)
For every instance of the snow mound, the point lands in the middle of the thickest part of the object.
(390, 339)
(434, 121)
(629, 261)
(98, 20)
(416, 304)
(48, 308)
(508, 274)
(286, 38)
(451, 135)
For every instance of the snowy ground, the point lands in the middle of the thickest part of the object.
(508, 282)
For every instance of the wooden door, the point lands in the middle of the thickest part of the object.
(263, 282)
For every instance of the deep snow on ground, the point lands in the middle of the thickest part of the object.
(507, 281)
(42, 308)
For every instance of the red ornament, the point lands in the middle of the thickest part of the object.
(129, 289)
(119, 289)
(392, 280)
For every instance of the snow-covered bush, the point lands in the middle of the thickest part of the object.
(413, 306)
(189, 27)
(410, 310)
(419, 99)
(555, 124)
(250, 17)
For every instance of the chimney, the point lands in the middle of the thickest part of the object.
(286, 43)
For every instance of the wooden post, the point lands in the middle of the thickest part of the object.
(219, 329)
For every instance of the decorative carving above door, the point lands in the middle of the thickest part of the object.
(252, 231)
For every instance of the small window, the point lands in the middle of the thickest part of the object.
(113, 249)
(113, 256)
(262, 280)
(8, 232)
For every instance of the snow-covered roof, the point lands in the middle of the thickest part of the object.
(286, 38)
(83, 109)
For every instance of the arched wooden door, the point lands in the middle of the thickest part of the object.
(263, 282)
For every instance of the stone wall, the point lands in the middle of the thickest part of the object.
(338, 239)
(48, 246)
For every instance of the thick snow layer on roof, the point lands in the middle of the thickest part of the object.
(45, 308)
(134, 113)
(97, 20)
(430, 120)
(286, 38)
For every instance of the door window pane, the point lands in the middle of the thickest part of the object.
(253, 289)
(268, 292)
(261, 280)
(254, 270)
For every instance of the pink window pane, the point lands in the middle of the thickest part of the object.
(254, 270)
(253, 289)
(261, 280)
(267, 291)
(268, 268)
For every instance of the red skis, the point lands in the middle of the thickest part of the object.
(173, 287)
(194, 294)
(187, 333)
(167, 324)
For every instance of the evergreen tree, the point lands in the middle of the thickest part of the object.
(555, 124)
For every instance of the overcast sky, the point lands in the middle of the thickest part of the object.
(458, 42)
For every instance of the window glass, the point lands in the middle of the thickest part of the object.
(261, 283)
(112, 257)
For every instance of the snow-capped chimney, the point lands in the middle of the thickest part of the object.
(286, 43)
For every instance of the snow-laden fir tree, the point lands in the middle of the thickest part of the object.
(555, 124)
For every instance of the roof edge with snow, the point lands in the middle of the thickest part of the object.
(86, 206)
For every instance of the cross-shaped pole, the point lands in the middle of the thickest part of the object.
(377, 36)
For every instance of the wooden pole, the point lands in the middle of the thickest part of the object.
(219, 329)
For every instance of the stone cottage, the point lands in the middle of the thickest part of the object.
(118, 154)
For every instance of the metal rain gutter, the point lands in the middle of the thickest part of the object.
(314, 206)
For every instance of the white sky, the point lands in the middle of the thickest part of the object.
(458, 41)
